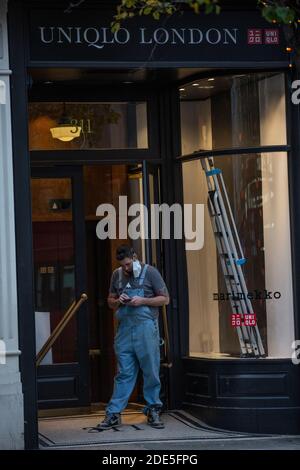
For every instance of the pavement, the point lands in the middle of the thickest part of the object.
(182, 432)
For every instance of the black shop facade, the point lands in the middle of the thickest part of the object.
(188, 111)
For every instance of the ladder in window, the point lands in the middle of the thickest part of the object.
(231, 259)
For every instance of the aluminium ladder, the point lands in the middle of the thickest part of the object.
(231, 258)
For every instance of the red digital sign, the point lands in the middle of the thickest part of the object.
(255, 36)
(248, 319)
(271, 36)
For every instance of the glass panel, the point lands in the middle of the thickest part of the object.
(257, 187)
(75, 126)
(122, 187)
(54, 265)
(136, 196)
(234, 111)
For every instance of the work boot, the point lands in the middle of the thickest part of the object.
(110, 421)
(154, 420)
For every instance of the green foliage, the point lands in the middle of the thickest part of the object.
(286, 13)
(281, 11)
(157, 8)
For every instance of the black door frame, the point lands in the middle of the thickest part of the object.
(77, 372)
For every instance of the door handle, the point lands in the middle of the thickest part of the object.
(74, 307)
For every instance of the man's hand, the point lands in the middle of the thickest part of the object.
(136, 301)
(113, 301)
(124, 299)
(157, 301)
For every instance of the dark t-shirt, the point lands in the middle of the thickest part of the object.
(153, 284)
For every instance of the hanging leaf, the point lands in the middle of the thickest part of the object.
(147, 10)
(285, 14)
(115, 27)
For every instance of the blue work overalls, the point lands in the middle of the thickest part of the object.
(136, 346)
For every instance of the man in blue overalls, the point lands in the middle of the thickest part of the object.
(136, 292)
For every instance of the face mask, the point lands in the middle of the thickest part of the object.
(136, 268)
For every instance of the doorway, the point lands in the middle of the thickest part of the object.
(70, 260)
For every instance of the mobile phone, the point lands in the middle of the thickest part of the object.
(127, 300)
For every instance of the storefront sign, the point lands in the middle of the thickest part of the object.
(85, 36)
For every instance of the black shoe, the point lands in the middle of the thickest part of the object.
(110, 421)
(154, 418)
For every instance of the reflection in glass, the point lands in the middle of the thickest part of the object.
(257, 186)
(233, 111)
(117, 125)
(105, 184)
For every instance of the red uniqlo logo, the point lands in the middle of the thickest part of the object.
(254, 36)
(271, 36)
(250, 319)
(236, 320)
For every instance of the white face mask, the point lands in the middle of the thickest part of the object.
(136, 268)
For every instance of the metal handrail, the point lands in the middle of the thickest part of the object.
(74, 307)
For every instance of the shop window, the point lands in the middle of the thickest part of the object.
(88, 126)
(233, 111)
(257, 187)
